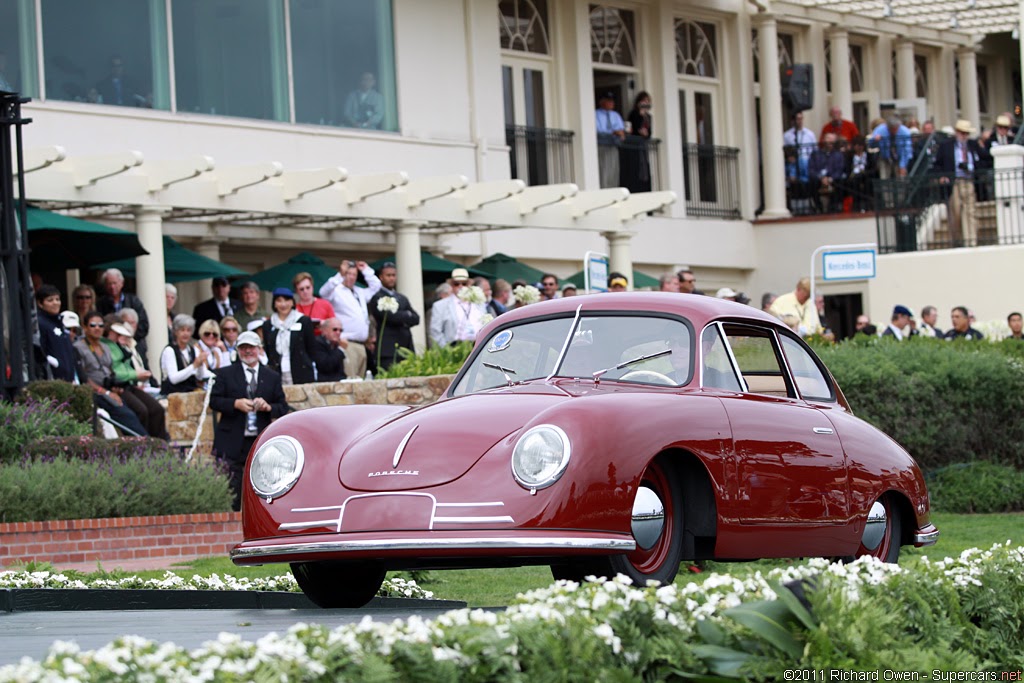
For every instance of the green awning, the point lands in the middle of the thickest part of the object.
(507, 268)
(181, 265)
(436, 269)
(60, 242)
(282, 274)
(640, 280)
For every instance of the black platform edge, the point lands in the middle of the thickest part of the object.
(74, 600)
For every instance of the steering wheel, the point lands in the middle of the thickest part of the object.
(648, 376)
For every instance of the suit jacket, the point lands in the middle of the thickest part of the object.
(209, 310)
(232, 383)
(396, 329)
(447, 318)
(946, 160)
(300, 350)
(330, 362)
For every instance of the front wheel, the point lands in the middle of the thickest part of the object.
(334, 584)
(882, 532)
(657, 524)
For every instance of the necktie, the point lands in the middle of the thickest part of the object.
(225, 308)
(251, 391)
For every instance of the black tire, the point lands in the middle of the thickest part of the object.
(573, 570)
(888, 550)
(661, 561)
(333, 584)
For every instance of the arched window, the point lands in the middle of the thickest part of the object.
(856, 57)
(696, 48)
(523, 25)
(612, 36)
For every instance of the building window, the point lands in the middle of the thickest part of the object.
(343, 61)
(785, 47)
(856, 57)
(921, 75)
(18, 71)
(612, 36)
(523, 25)
(982, 89)
(111, 52)
(696, 48)
(229, 58)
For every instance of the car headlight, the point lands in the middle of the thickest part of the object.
(276, 466)
(540, 456)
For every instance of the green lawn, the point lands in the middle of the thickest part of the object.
(490, 587)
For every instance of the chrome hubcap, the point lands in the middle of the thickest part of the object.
(874, 530)
(648, 518)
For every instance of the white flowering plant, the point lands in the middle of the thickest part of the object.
(526, 294)
(387, 304)
(958, 614)
(472, 294)
(486, 318)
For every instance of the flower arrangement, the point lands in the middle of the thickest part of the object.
(387, 304)
(957, 614)
(526, 294)
(472, 294)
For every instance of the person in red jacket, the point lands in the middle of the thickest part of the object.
(841, 127)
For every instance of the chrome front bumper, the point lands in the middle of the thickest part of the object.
(927, 535)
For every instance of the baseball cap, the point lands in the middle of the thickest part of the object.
(70, 319)
(568, 285)
(726, 293)
(284, 291)
(249, 338)
(902, 310)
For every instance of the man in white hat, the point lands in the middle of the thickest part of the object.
(958, 159)
(457, 317)
(248, 396)
(1002, 133)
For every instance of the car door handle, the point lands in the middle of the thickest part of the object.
(824, 430)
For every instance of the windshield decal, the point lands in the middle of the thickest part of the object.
(500, 342)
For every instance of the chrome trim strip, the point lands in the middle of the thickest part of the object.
(336, 522)
(493, 503)
(469, 520)
(823, 430)
(401, 447)
(927, 536)
(566, 542)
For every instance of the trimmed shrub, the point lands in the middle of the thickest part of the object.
(23, 423)
(77, 397)
(137, 479)
(89, 447)
(945, 402)
(977, 487)
(437, 360)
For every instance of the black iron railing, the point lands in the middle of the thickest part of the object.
(632, 162)
(540, 156)
(712, 179)
(941, 211)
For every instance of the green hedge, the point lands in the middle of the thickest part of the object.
(977, 487)
(77, 397)
(945, 402)
(117, 478)
(25, 422)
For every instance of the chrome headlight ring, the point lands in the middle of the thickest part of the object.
(540, 457)
(276, 466)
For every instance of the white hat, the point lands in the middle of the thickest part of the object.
(249, 338)
(121, 329)
(726, 293)
(70, 319)
(460, 274)
(1003, 120)
(964, 126)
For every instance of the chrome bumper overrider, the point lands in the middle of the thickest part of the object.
(926, 536)
(565, 542)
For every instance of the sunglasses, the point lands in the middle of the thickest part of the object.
(83, 296)
(210, 334)
(95, 324)
(229, 329)
(335, 329)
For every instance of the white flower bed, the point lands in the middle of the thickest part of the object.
(591, 625)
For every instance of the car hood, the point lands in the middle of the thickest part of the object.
(438, 443)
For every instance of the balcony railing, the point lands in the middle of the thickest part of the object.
(632, 162)
(935, 212)
(540, 156)
(711, 174)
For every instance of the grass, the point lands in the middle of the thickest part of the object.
(490, 587)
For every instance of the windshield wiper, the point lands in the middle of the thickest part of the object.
(626, 363)
(503, 370)
(565, 344)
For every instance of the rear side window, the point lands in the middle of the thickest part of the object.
(759, 363)
(810, 380)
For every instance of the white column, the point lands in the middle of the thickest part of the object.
(1009, 164)
(151, 279)
(969, 107)
(906, 84)
(773, 163)
(620, 254)
(410, 276)
(665, 89)
(842, 95)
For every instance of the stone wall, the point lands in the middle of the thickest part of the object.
(184, 410)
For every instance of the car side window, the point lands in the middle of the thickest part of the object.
(810, 380)
(759, 361)
(717, 370)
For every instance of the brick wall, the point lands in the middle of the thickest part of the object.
(119, 538)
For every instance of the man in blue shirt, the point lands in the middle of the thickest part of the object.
(895, 148)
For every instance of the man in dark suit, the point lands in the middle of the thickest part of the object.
(394, 328)
(116, 299)
(219, 306)
(958, 159)
(248, 396)
(329, 352)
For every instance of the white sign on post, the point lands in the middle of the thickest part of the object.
(848, 265)
(595, 272)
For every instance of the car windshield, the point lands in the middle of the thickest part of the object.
(645, 349)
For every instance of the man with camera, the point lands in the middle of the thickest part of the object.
(958, 159)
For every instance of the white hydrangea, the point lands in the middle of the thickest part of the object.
(387, 304)
(472, 294)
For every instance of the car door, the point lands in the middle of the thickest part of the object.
(790, 468)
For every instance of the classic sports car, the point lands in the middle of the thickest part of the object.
(600, 434)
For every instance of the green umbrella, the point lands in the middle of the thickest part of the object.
(181, 264)
(435, 268)
(640, 280)
(507, 268)
(281, 275)
(60, 242)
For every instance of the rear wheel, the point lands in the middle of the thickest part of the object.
(882, 531)
(657, 525)
(335, 584)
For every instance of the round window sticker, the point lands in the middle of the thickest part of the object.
(500, 341)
